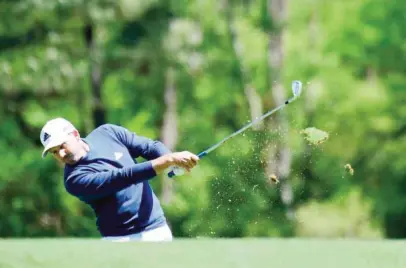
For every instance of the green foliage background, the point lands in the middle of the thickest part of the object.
(350, 55)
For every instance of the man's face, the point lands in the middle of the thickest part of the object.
(68, 152)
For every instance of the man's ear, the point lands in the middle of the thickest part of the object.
(76, 134)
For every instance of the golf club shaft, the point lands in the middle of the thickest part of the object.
(246, 127)
(215, 146)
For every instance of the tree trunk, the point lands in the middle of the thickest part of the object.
(279, 157)
(169, 132)
(309, 109)
(96, 76)
(254, 100)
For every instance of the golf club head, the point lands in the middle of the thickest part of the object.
(296, 88)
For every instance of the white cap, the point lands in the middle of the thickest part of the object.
(54, 133)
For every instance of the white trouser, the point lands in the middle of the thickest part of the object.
(159, 234)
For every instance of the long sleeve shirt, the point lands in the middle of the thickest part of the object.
(110, 180)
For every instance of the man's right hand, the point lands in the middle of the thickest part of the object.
(185, 160)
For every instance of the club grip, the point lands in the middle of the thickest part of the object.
(202, 154)
(172, 174)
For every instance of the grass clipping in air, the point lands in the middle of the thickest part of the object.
(274, 179)
(349, 169)
(314, 136)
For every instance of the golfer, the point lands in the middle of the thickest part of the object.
(101, 171)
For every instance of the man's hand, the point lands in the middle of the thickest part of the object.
(185, 160)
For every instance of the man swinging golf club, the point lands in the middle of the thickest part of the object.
(101, 171)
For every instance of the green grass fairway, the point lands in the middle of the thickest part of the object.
(264, 253)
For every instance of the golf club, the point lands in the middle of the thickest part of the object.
(296, 89)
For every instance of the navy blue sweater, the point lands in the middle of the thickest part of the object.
(110, 180)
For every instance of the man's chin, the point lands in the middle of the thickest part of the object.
(70, 161)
